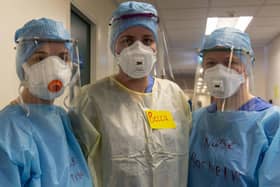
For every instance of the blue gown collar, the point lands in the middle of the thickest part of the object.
(255, 104)
(151, 81)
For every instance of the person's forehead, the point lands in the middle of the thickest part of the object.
(137, 31)
(218, 55)
(52, 47)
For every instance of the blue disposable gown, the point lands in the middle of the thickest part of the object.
(235, 149)
(40, 150)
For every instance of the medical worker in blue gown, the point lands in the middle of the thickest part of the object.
(37, 145)
(135, 127)
(235, 141)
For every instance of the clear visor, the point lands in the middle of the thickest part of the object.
(162, 68)
(223, 80)
(51, 73)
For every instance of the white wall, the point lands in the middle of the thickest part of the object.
(273, 78)
(260, 73)
(13, 14)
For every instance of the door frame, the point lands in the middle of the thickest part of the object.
(93, 42)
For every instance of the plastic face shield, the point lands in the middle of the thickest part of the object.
(162, 67)
(51, 73)
(223, 80)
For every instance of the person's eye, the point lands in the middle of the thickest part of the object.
(233, 63)
(127, 41)
(37, 58)
(210, 64)
(148, 41)
(40, 58)
(65, 57)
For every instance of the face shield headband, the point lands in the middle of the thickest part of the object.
(141, 15)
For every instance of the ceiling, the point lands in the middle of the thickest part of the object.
(184, 23)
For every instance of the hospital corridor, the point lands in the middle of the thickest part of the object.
(140, 93)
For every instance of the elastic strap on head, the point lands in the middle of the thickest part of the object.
(128, 16)
(230, 57)
(229, 66)
(36, 39)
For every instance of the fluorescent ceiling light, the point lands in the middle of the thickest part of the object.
(200, 79)
(240, 23)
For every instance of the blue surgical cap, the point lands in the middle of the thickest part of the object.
(43, 28)
(228, 38)
(145, 15)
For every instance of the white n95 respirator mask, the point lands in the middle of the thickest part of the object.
(222, 82)
(136, 60)
(48, 78)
